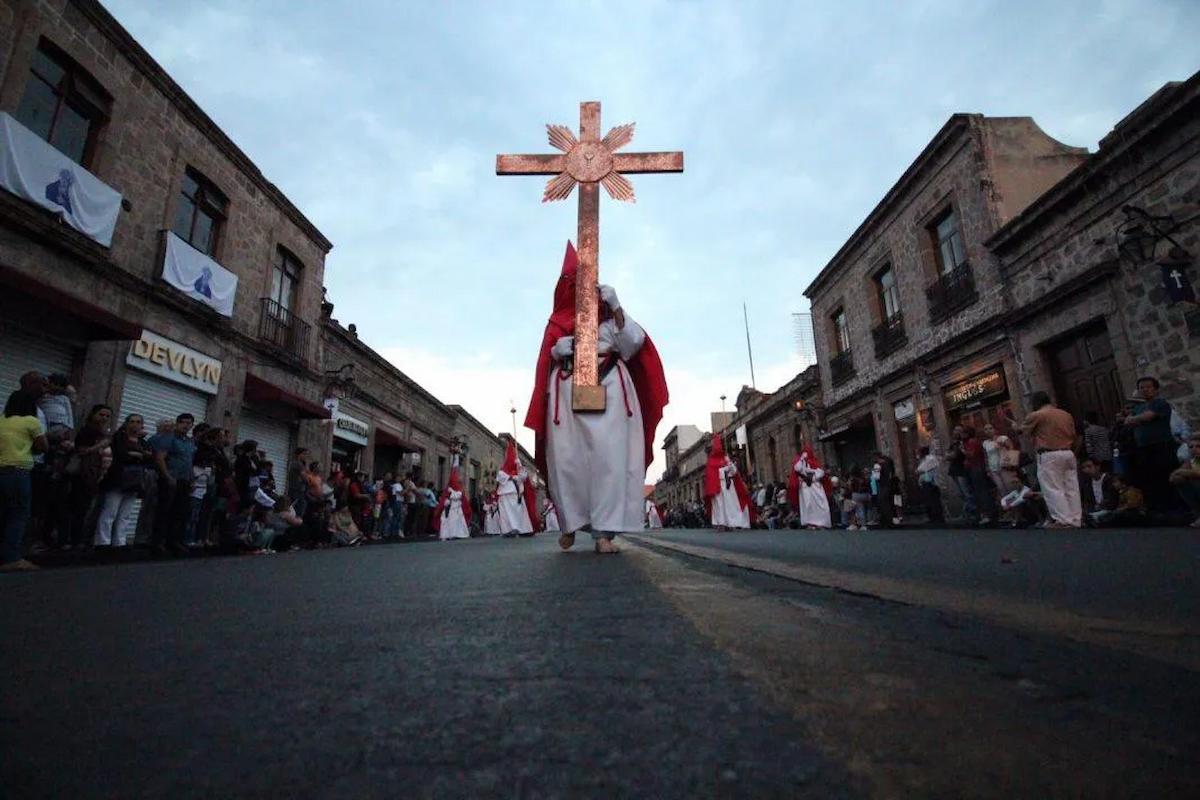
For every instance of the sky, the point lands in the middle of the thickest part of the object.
(381, 122)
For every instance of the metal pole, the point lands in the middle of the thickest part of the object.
(749, 352)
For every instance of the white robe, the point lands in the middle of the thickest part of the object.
(514, 518)
(726, 509)
(814, 503)
(653, 520)
(454, 526)
(595, 463)
(552, 520)
(491, 519)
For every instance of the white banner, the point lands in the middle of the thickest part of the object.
(198, 276)
(743, 438)
(33, 169)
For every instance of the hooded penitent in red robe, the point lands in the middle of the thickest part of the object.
(712, 478)
(455, 484)
(645, 368)
(793, 491)
(512, 466)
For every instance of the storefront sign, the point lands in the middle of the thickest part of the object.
(904, 409)
(350, 429)
(987, 384)
(175, 362)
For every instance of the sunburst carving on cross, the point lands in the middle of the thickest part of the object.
(590, 162)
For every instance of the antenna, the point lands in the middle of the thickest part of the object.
(749, 352)
(802, 334)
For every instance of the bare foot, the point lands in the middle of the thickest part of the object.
(566, 541)
(604, 546)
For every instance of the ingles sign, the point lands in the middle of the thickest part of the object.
(175, 362)
(988, 384)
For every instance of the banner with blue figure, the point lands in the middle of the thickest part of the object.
(33, 169)
(198, 276)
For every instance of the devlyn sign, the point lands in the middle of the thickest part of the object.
(175, 362)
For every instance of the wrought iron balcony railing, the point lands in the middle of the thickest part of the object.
(283, 329)
(951, 293)
(889, 336)
(841, 367)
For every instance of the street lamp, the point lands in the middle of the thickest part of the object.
(1139, 235)
(722, 404)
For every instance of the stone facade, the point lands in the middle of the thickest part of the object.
(95, 299)
(887, 390)
(407, 427)
(779, 424)
(1066, 275)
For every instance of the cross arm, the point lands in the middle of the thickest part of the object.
(638, 163)
(549, 164)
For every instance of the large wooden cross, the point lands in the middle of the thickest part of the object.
(589, 161)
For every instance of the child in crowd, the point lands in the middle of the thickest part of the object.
(1131, 510)
(860, 499)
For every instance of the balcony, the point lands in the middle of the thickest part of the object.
(889, 336)
(841, 367)
(283, 330)
(951, 293)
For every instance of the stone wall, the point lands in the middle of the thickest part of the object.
(1067, 245)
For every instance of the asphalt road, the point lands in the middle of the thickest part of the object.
(1143, 574)
(503, 668)
(480, 668)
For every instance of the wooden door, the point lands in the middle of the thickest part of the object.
(1085, 374)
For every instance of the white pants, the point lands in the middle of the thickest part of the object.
(110, 528)
(1058, 474)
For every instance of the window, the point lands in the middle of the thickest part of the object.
(63, 104)
(200, 212)
(841, 331)
(888, 292)
(284, 280)
(950, 251)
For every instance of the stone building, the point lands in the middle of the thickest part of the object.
(387, 422)
(683, 447)
(1090, 266)
(905, 313)
(777, 424)
(158, 268)
(482, 451)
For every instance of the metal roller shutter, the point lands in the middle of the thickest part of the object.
(273, 436)
(157, 399)
(22, 350)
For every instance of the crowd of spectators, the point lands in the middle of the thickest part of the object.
(181, 489)
(1050, 471)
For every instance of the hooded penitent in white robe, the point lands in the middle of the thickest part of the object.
(814, 503)
(596, 461)
(491, 518)
(514, 517)
(551, 519)
(454, 524)
(653, 520)
(727, 510)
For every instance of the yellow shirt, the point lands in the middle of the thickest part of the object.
(16, 441)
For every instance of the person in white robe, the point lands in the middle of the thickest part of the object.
(595, 462)
(725, 490)
(511, 482)
(491, 516)
(550, 515)
(451, 515)
(653, 518)
(813, 502)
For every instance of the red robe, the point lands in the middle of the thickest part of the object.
(455, 484)
(712, 480)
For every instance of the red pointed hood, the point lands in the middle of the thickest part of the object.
(454, 484)
(511, 465)
(645, 368)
